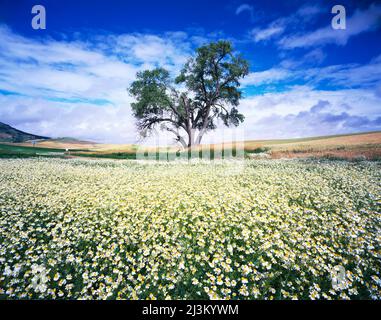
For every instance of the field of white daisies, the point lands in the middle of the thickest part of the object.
(89, 229)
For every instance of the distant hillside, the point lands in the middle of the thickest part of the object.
(9, 134)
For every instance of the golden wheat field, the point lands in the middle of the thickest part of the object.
(104, 229)
(356, 146)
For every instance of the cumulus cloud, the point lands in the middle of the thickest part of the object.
(303, 111)
(320, 106)
(80, 120)
(75, 88)
(304, 124)
(378, 91)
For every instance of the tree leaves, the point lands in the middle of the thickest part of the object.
(211, 79)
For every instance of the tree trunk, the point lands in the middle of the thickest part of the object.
(191, 135)
(182, 141)
(199, 138)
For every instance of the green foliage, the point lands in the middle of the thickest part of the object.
(211, 80)
(213, 75)
(150, 91)
(260, 150)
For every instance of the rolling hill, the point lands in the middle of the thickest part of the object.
(10, 134)
(366, 145)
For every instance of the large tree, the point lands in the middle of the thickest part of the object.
(206, 90)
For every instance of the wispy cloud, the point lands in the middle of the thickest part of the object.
(312, 58)
(277, 27)
(361, 21)
(265, 77)
(245, 8)
(258, 34)
(337, 76)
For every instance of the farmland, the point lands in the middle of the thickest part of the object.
(20, 151)
(106, 229)
(362, 146)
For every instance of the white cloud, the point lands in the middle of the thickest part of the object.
(359, 22)
(244, 7)
(264, 34)
(309, 11)
(171, 50)
(277, 27)
(345, 75)
(312, 58)
(352, 105)
(304, 111)
(300, 113)
(60, 88)
(74, 88)
(264, 77)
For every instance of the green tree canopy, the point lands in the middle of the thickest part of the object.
(211, 92)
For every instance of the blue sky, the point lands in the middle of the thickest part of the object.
(305, 78)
